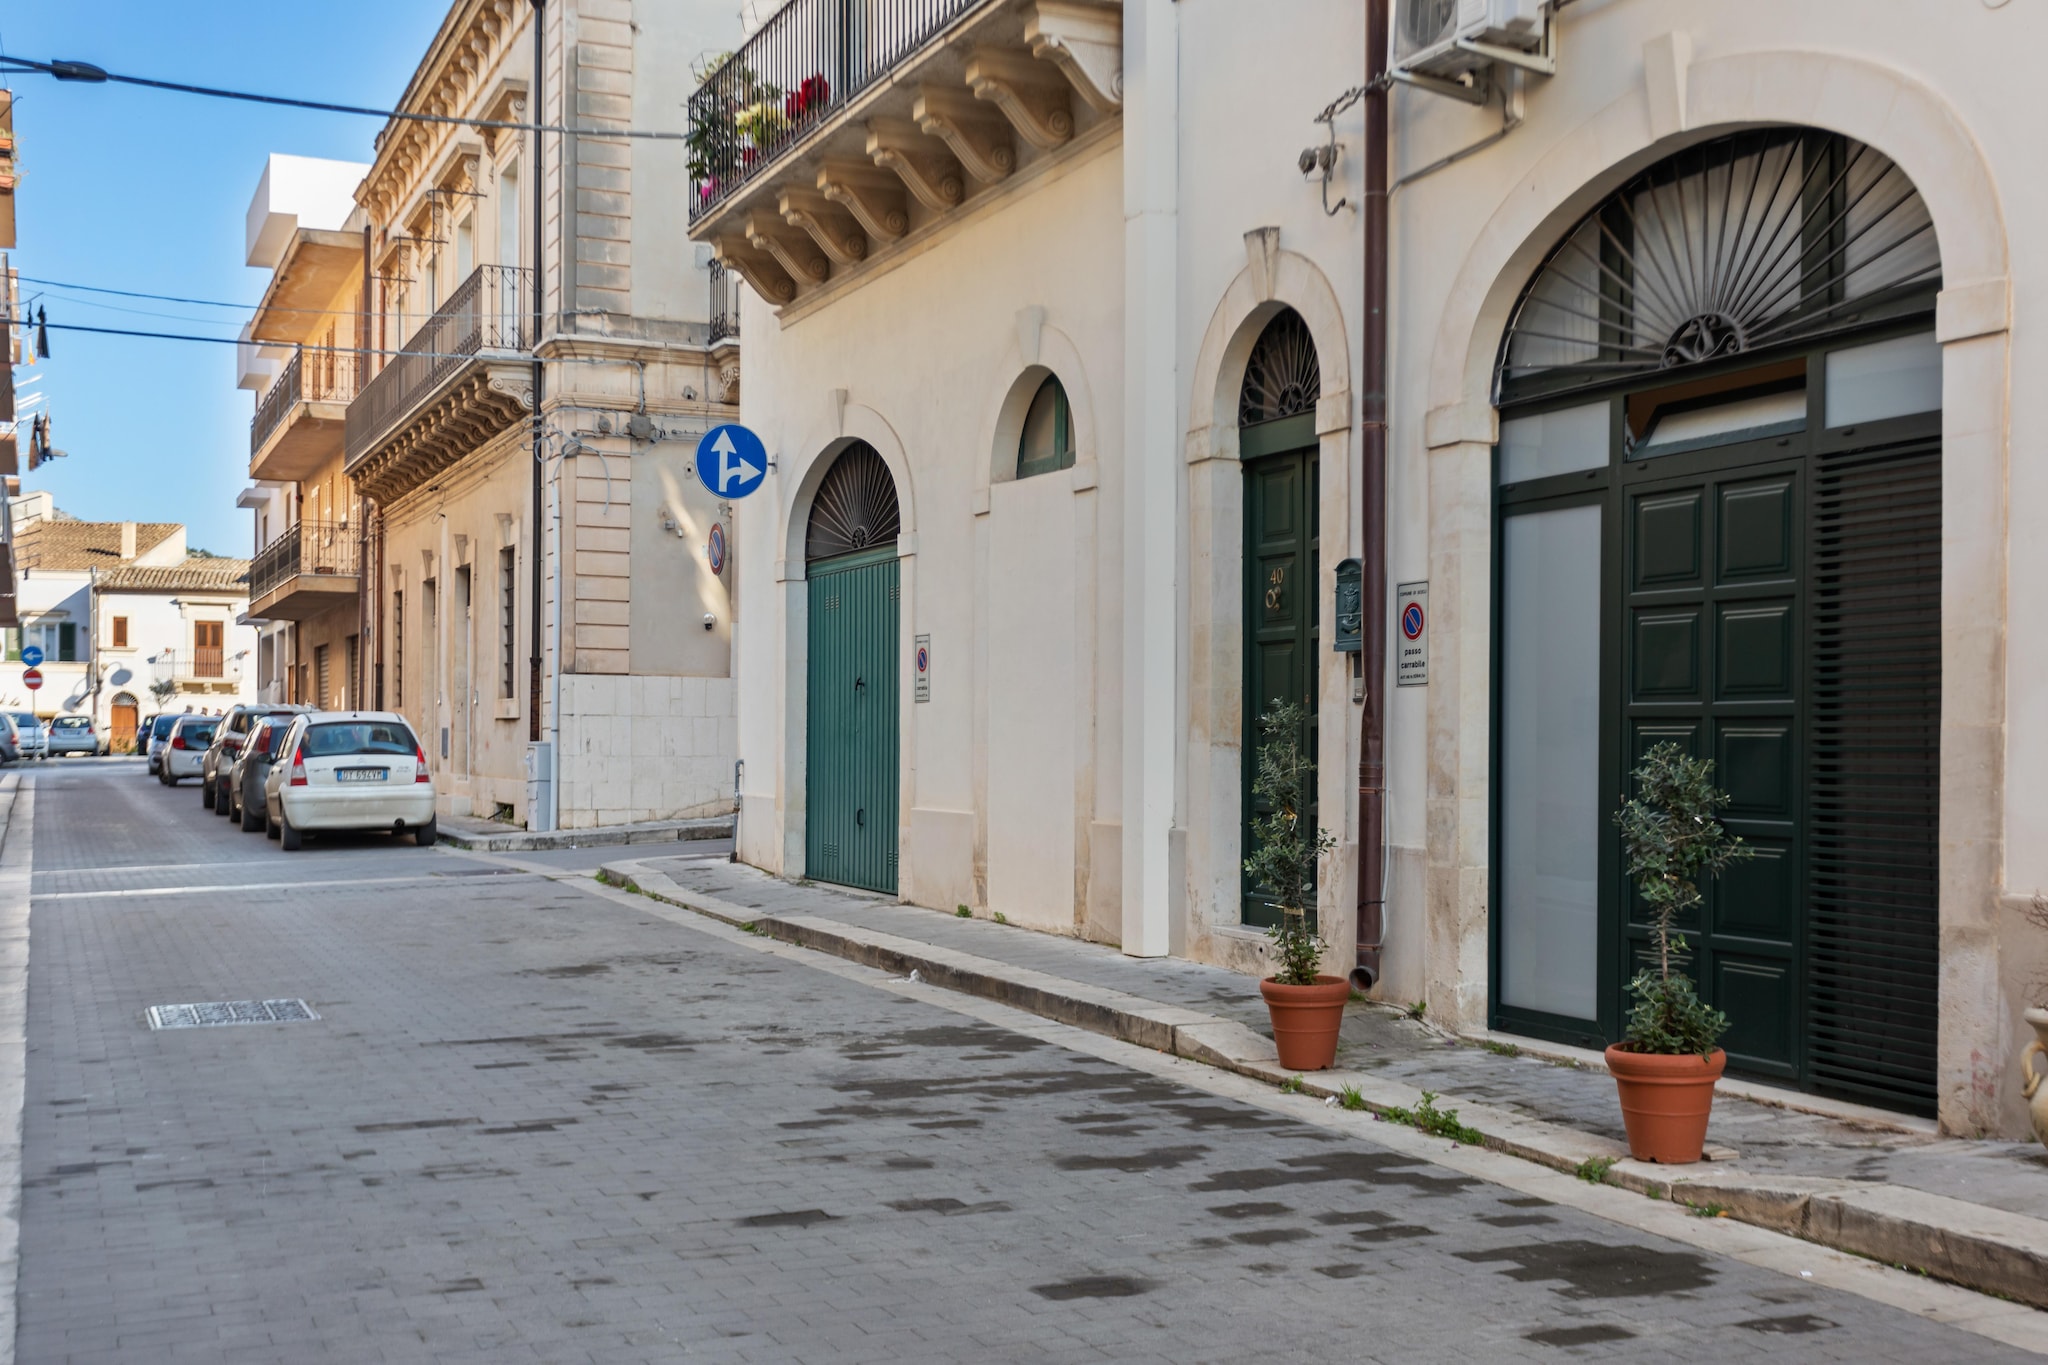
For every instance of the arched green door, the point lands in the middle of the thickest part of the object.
(852, 583)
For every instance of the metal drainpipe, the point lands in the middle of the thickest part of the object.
(538, 537)
(369, 620)
(1372, 758)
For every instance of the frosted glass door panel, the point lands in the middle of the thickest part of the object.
(1550, 762)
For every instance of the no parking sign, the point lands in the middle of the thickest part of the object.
(1411, 647)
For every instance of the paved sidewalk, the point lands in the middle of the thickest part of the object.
(1858, 1179)
(488, 836)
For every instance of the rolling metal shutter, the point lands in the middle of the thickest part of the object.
(1874, 775)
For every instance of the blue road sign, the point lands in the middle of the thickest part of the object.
(32, 655)
(731, 461)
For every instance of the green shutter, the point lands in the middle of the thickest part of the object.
(67, 642)
(14, 644)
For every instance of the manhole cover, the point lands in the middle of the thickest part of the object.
(217, 1012)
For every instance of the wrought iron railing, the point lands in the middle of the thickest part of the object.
(311, 547)
(805, 63)
(725, 304)
(490, 311)
(203, 661)
(320, 375)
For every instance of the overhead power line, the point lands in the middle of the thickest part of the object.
(238, 341)
(90, 74)
(201, 303)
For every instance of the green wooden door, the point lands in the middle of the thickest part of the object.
(850, 804)
(1712, 656)
(1280, 527)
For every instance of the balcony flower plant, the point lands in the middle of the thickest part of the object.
(734, 117)
(1307, 1009)
(1667, 1063)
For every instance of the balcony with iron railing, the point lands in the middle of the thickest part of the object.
(844, 128)
(310, 569)
(198, 667)
(298, 424)
(463, 376)
(725, 305)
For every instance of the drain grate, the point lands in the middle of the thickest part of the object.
(215, 1013)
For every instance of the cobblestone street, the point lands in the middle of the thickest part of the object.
(538, 1122)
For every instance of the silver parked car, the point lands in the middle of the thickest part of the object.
(186, 748)
(73, 735)
(34, 739)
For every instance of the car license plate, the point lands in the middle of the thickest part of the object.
(361, 774)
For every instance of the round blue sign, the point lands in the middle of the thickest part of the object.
(731, 461)
(714, 547)
(1411, 620)
(32, 655)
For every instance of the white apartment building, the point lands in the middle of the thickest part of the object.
(1702, 423)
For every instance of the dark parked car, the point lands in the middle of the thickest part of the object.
(227, 746)
(252, 765)
(153, 740)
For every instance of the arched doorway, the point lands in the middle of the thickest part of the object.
(1277, 444)
(1718, 521)
(126, 715)
(851, 574)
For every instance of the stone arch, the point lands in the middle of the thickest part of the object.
(1040, 351)
(1273, 279)
(1926, 138)
(1897, 115)
(850, 422)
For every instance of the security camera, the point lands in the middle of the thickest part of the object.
(709, 620)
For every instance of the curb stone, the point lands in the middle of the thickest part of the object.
(1978, 1247)
(484, 840)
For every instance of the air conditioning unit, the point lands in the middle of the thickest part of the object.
(1448, 45)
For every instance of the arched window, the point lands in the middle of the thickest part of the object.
(855, 508)
(1048, 440)
(1283, 377)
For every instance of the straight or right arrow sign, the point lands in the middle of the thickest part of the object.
(731, 460)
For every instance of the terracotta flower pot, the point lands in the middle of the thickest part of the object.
(1306, 1020)
(1665, 1101)
(2035, 1089)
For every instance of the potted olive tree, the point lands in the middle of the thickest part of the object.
(1307, 1009)
(1667, 1063)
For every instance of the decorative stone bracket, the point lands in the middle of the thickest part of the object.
(1086, 42)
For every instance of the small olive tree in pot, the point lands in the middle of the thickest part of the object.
(1667, 1063)
(2034, 1084)
(1307, 1009)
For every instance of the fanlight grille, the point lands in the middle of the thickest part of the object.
(855, 508)
(1283, 377)
(1734, 245)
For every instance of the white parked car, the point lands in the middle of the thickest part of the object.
(73, 735)
(349, 770)
(185, 748)
(35, 740)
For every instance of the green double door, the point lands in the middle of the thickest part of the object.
(1280, 619)
(851, 745)
(1714, 576)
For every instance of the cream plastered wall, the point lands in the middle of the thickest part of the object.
(1638, 80)
(925, 363)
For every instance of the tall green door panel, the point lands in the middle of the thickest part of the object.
(851, 749)
(1280, 617)
(1711, 623)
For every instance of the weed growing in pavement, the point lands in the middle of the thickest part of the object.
(963, 913)
(1350, 1098)
(1418, 1009)
(1593, 1170)
(1502, 1049)
(1437, 1122)
(751, 928)
(1001, 918)
(1293, 1085)
(1707, 1210)
(1568, 1063)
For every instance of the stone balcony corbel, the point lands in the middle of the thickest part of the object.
(797, 254)
(758, 269)
(979, 137)
(926, 168)
(872, 195)
(835, 231)
(1085, 40)
(1034, 97)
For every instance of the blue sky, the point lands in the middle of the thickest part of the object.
(145, 190)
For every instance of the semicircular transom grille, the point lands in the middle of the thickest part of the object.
(855, 508)
(1745, 242)
(1283, 377)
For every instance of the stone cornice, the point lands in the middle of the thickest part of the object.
(459, 76)
(485, 398)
